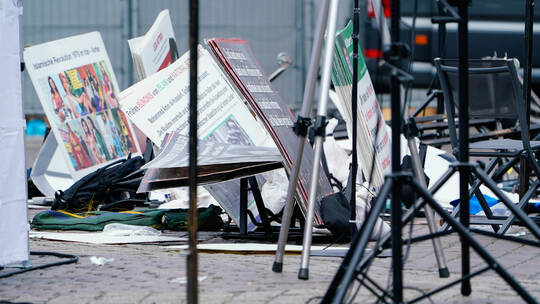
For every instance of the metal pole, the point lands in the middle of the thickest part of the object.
(192, 259)
(397, 254)
(441, 52)
(463, 155)
(301, 129)
(397, 250)
(319, 135)
(300, 47)
(524, 164)
(354, 101)
(134, 32)
(529, 16)
(127, 65)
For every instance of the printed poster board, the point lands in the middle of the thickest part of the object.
(77, 88)
(159, 105)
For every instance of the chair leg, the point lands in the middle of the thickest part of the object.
(485, 207)
(502, 169)
(522, 202)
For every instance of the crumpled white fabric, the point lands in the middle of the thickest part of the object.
(178, 198)
(274, 190)
(337, 158)
(364, 197)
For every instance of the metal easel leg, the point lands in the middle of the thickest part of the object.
(319, 127)
(301, 129)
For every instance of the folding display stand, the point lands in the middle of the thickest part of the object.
(249, 184)
(355, 265)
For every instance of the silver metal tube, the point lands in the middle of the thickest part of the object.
(287, 211)
(321, 112)
(311, 82)
(432, 225)
(305, 112)
(308, 226)
(328, 57)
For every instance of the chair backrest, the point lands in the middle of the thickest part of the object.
(494, 92)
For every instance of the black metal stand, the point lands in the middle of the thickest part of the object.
(192, 256)
(434, 91)
(356, 265)
(264, 231)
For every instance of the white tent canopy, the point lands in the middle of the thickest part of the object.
(13, 215)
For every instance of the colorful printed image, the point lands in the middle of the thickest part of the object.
(120, 121)
(230, 132)
(85, 109)
(77, 149)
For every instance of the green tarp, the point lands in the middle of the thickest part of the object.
(169, 219)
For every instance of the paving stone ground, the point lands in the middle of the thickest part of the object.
(146, 274)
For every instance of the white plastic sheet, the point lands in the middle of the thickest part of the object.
(105, 238)
(13, 218)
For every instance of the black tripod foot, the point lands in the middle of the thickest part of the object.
(444, 273)
(277, 267)
(303, 274)
(466, 288)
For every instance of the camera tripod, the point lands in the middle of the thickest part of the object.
(356, 264)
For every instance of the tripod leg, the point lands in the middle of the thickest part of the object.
(346, 272)
(302, 132)
(319, 135)
(287, 211)
(464, 219)
(308, 228)
(465, 234)
(437, 246)
(410, 213)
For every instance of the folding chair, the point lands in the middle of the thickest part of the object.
(495, 93)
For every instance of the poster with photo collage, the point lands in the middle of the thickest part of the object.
(79, 94)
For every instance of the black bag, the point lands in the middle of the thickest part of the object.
(116, 181)
(336, 213)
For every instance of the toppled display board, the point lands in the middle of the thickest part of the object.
(159, 105)
(239, 62)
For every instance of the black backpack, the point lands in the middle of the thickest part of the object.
(114, 182)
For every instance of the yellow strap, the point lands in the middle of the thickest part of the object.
(71, 214)
(132, 212)
(80, 216)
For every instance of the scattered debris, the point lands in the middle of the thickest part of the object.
(100, 261)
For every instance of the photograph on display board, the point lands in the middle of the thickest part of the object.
(79, 94)
(84, 103)
(229, 131)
